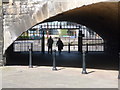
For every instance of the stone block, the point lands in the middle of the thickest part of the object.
(1, 57)
(1, 36)
(5, 1)
(1, 50)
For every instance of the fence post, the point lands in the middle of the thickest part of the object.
(68, 47)
(80, 41)
(87, 48)
(43, 42)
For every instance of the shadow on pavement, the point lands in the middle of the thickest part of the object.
(94, 60)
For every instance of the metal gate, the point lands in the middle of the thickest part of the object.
(67, 31)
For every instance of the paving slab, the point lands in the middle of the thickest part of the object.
(64, 77)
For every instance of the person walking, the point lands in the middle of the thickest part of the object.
(49, 44)
(60, 45)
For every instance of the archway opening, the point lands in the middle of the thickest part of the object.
(76, 39)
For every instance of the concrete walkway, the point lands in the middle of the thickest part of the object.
(65, 77)
(102, 69)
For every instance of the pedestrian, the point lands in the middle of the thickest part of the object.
(60, 45)
(49, 44)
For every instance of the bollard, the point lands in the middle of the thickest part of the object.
(54, 61)
(68, 47)
(30, 57)
(84, 65)
(119, 66)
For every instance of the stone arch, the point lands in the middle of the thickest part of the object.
(21, 16)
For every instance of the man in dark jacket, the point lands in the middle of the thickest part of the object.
(50, 43)
(60, 45)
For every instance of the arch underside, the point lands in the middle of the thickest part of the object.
(101, 17)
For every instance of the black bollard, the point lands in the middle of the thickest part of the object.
(84, 64)
(30, 57)
(54, 61)
(119, 67)
(68, 47)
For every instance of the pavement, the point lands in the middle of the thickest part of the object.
(102, 71)
(64, 77)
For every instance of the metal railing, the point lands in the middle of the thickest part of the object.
(68, 32)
